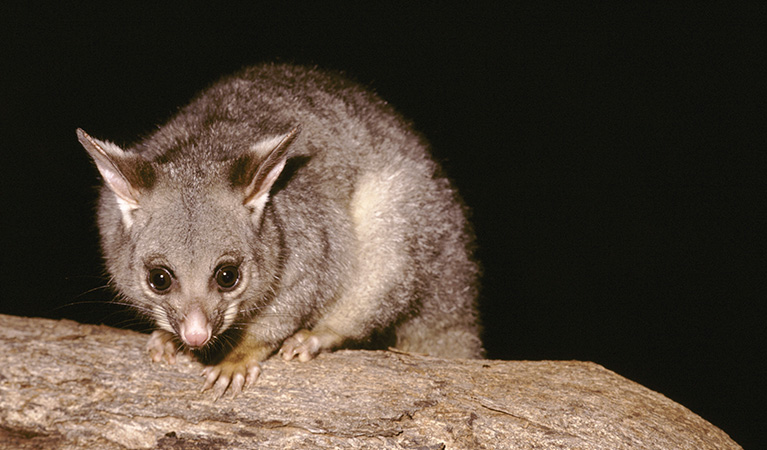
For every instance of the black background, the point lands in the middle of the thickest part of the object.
(613, 157)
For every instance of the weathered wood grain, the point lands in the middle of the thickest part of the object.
(68, 385)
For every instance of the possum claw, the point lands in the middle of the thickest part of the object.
(234, 375)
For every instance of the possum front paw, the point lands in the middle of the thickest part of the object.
(239, 369)
(235, 374)
(307, 344)
(162, 346)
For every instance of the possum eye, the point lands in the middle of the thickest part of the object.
(159, 279)
(227, 277)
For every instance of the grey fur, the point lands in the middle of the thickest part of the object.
(341, 226)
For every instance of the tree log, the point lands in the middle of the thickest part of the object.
(69, 385)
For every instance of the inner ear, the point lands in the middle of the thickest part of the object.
(260, 167)
(126, 174)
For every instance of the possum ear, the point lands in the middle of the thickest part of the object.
(261, 167)
(125, 174)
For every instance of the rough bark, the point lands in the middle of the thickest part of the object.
(68, 385)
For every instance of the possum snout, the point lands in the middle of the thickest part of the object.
(195, 329)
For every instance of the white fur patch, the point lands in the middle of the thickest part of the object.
(161, 319)
(126, 210)
(230, 314)
(381, 256)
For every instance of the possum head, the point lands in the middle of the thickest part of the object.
(181, 236)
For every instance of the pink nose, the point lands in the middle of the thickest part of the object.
(195, 329)
(196, 338)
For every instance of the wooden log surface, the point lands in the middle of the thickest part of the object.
(69, 385)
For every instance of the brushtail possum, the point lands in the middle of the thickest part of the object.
(288, 210)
